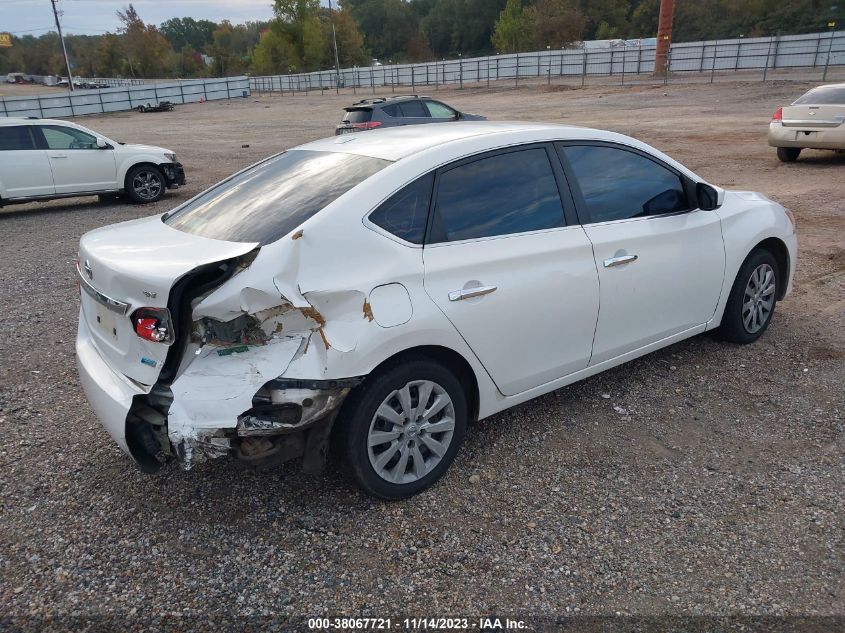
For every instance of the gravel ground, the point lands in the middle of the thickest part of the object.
(717, 491)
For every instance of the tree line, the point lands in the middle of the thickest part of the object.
(299, 38)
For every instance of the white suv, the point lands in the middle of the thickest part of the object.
(42, 159)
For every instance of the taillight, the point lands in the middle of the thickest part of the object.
(778, 115)
(153, 324)
(369, 125)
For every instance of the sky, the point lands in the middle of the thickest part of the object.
(91, 17)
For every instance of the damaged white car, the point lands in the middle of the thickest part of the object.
(380, 291)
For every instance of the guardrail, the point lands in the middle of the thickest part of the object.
(814, 50)
(97, 101)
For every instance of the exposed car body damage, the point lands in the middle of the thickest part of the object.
(229, 393)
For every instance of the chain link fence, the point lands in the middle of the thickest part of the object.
(627, 61)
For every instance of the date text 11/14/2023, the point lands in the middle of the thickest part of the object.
(416, 624)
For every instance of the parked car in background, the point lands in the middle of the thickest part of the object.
(381, 291)
(41, 159)
(816, 120)
(381, 112)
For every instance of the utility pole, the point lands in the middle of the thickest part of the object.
(664, 36)
(64, 50)
(334, 41)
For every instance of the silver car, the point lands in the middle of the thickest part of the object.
(816, 120)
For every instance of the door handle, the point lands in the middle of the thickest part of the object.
(610, 262)
(469, 293)
(58, 155)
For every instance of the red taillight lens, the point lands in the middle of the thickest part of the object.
(778, 115)
(153, 324)
(370, 125)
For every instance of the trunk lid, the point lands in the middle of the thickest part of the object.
(132, 265)
(813, 117)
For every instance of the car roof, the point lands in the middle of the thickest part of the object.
(30, 120)
(396, 143)
(375, 101)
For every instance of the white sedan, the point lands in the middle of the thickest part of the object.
(42, 159)
(381, 291)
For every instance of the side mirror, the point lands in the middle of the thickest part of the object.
(709, 197)
(102, 144)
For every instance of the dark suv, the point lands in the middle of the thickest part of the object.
(369, 114)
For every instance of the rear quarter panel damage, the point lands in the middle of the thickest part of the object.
(308, 293)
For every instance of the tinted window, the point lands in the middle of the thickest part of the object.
(13, 137)
(440, 111)
(618, 184)
(824, 95)
(413, 109)
(503, 194)
(59, 137)
(358, 116)
(392, 110)
(405, 212)
(269, 200)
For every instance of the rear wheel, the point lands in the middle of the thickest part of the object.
(751, 303)
(788, 154)
(403, 428)
(145, 184)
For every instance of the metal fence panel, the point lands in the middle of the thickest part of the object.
(127, 97)
(813, 50)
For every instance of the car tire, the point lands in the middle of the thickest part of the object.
(412, 457)
(145, 184)
(788, 154)
(746, 314)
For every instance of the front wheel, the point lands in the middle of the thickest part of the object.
(788, 154)
(751, 303)
(145, 184)
(404, 428)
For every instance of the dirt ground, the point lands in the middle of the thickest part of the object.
(721, 493)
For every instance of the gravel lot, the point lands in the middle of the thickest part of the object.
(719, 493)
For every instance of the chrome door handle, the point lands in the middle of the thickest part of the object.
(610, 262)
(58, 155)
(469, 293)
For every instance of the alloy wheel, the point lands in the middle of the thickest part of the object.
(759, 298)
(147, 185)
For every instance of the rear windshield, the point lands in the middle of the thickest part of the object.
(269, 200)
(823, 95)
(358, 116)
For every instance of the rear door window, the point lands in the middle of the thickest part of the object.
(413, 109)
(16, 137)
(268, 200)
(404, 214)
(823, 95)
(502, 194)
(358, 116)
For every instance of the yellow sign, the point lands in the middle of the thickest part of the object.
(830, 24)
(5, 40)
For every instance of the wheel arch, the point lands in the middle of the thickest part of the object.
(132, 165)
(445, 356)
(780, 252)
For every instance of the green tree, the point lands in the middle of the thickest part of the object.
(557, 23)
(147, 51)
(184, 32)
(514, 30)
